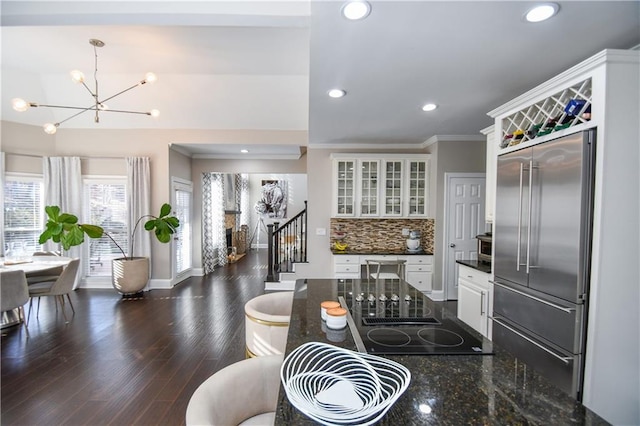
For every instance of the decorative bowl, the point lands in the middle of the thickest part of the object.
(335, 386)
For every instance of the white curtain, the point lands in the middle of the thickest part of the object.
(63, 187)
(245, 201)
(139, 204)
(2, 202)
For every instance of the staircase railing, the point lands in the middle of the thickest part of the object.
(287, 244)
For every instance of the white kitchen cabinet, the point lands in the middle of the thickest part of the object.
(344, 187)
(346, 266)
(380, 185)
(418, 269)
(369, 188)
(474, 299)
(490, 174)
(419, 272)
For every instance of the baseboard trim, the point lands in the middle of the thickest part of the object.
(158, 284)
(437, 295)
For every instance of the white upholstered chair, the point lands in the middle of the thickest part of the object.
(57, 287)
(14, 293)
(244, 393)
(267, 323)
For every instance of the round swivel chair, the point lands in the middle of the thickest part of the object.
(267, 323)
(244, 393)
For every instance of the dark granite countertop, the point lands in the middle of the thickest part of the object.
(444, 389)
(380, 252)
(480, 266)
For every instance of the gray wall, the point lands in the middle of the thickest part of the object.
(451, 157)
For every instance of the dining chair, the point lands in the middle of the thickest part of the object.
(379, 274)
(45, 275)
(14, 293)
(58, 288)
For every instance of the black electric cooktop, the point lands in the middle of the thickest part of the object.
(391, 317)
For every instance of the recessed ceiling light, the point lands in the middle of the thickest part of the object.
(355, 10)
(541, 12)
(337, 93)
(244, 151)
(429, 107)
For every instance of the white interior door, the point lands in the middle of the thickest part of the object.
(464, 219)
(182, 200)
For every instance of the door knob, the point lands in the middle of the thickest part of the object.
(452, 245)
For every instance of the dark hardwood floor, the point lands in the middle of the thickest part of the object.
(127, 361)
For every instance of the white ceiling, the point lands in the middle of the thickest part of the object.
(267, 65)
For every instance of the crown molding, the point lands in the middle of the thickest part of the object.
(246, 156)
(452, 138)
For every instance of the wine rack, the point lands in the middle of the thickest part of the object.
(566, 108)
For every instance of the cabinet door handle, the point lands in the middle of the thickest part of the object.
(482, 311)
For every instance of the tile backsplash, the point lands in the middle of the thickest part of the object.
(382, 234)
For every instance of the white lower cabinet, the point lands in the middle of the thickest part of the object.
(346, 266)
(474, 299)
(419, 268)
(419, 272)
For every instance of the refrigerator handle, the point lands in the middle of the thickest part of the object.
(530, 209)
(519, 220)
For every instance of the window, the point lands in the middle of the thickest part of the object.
(24, 212)
(182, 196)
(106, 206)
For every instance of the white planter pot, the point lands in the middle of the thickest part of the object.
(130, 276)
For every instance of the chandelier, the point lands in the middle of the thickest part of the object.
(98, 105)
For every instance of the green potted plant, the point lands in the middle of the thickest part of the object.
(130, 274)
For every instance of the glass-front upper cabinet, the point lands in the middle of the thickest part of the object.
(344, 178)
(417, 188)
(392, 198)
(369, 187)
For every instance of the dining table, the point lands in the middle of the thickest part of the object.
(31, 265)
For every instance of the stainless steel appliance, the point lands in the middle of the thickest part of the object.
(542, 239)
(485, 241)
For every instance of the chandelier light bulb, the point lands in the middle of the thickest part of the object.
(77, 76)
(20, 104)
(154, 113)
(103, 107)
(50, 128)
(150, 77)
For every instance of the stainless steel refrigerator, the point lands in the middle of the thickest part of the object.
(542, 239)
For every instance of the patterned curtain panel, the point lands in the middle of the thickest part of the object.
(245, 202)
(214, 244)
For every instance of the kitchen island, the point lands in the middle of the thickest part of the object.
(444, 389)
